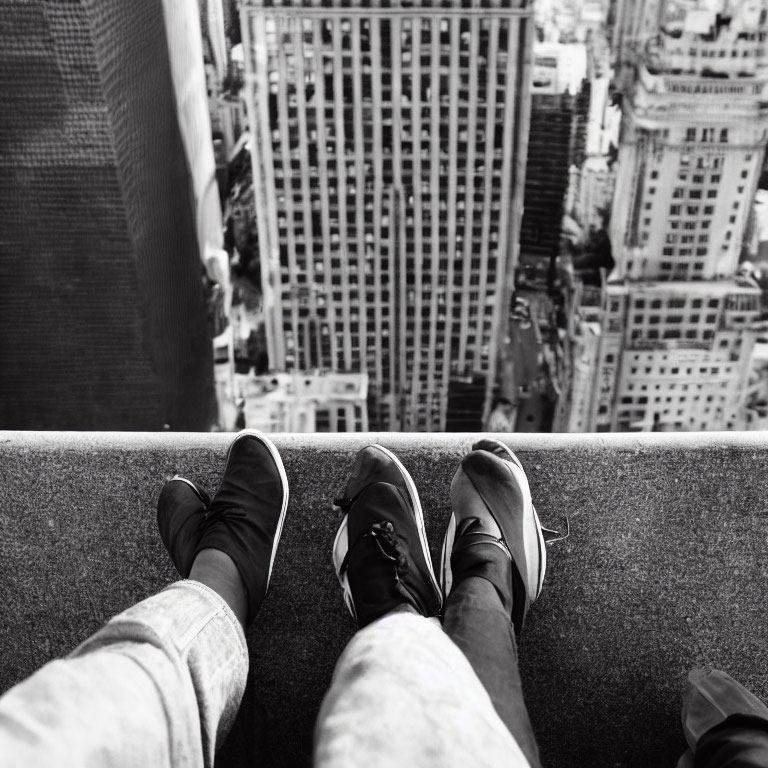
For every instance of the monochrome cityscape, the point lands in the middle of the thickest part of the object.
(410, 215)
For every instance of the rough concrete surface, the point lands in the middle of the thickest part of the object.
(665, 569)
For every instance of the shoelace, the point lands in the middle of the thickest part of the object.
(389, 543)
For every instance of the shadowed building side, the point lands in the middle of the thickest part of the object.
(104, 214)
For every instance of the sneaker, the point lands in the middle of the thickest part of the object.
(247, 513)
(380, 554)
(494, 530)
(710, 699)
(180, 510)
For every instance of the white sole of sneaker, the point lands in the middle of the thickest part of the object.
(270, 446)
(341, 542)
(190, 484)
(533, 537)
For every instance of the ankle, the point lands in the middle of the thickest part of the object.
(484, 568)
(217, 570)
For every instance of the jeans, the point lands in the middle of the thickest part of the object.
(160, 685)
(478, 624)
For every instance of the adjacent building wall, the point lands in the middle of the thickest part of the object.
(102, 219)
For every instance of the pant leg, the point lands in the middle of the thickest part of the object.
(739, 742)
(403, 694)
(476, 621)
(159, 685)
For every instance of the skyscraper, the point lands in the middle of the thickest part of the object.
(389, 146)
(106, 206)
(676, 344)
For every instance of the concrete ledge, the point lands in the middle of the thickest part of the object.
(665, 569)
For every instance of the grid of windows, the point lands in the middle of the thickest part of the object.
(388, 174)
(688, 238)
(690, 390)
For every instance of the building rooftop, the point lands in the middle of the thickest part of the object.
(711, 288)
(664, 570)
(287, 5)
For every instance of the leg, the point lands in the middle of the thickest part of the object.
(493, 568)
(725, 725)
(162, 682)
(402, 693)
(477, 623)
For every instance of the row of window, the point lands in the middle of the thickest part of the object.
(673, 302)
(706, 135)
(675, 370)
(676, 319)
(692, 334)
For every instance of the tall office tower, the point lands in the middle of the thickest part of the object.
(106, 205)
(389, 158)
(695, 125)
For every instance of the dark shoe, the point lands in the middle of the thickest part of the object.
(180, 510)
(247, 513)
(380, 554)
(494, 531)
(710, 699)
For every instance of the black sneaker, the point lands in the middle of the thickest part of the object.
(380, 553)
(247, 513)
(494, 530)
(180, 510)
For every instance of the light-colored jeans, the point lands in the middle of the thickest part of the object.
(161, 683)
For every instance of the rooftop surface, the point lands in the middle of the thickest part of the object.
(665, 569)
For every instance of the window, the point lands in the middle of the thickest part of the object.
(723, 135)
(690, 134)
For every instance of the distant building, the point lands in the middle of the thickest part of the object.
(107, 208)
(676, 351)
(676, 335)
(389, 141)
(305, 402)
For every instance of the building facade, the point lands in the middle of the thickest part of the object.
(389, 147)
(676, 339)
(107, 205)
